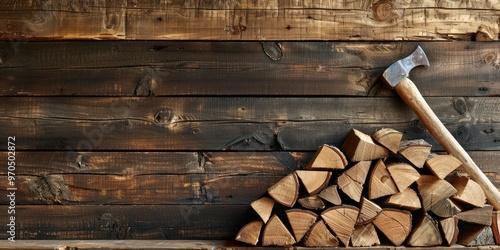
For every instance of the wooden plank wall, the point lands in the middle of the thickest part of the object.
(171, 139)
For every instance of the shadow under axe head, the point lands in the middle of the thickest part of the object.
(401, 69)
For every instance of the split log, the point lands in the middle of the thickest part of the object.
(312, 202)
(408, 200)
(468, 191)
(495, 226)
(341, 219)
(320, 236)
(285, 191)
(352, 180)
(263, 207)
(449, 227)
(442, 165)
(395, 224)
(415, 151)
(276, 234)
(445, 208)
(368, 211)
(468, 232)
(250, 233)
(425, 233)
(300, 221)
(432, 190)
(480, 216)
(402, 174)
(361, 147)
(364, 236)
(331, 195)
(327, 158)
(314, 181)
(380, 182)
(389, 138)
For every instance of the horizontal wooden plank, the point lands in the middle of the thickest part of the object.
(60, 222)
(188, 244)
(247, 20)
(84, 189)
(236, 123)
(142, 163)
(162, 68)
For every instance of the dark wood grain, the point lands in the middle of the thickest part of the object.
(149, 163)
(128, 222)
(158, 68)
(211, 124)
(249, 20)
(81, 189)
(136, 163)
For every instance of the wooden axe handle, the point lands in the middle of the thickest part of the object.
(410, 94)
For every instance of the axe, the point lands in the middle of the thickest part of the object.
(396, 76)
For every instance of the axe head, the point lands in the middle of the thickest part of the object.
(401, 69)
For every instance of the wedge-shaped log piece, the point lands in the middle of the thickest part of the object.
(408, 200)
(263, 207)
(445, 208)
(468, 232)
(425, 233)
(300, 221)
(361, 147)
(480, 216)
(341, 219)
(331, 195)
(415, 151)
(389, 138)
(442, 165)
(320, 236)
(314, 181)
(432, 190)
(250, 233)
(403, 174)
(395, 224)
(380, 182)
(327, 158)
(352, 180)
(449, 227)
(495, 226)
(276, 234)
(312, 202)
(285, 191)
(368, 211)
(468, 191)
(364, 236)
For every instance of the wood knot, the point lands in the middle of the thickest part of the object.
(460, 105)
(167, 117)
(490, 58)
(385, 11)
(49, 189)
(273, 50)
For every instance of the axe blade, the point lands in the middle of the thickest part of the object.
(401, 69)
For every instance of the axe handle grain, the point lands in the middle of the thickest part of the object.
(410, 94)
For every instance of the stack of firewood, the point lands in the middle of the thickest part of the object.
(376, 189)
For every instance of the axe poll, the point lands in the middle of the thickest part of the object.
(396, 76)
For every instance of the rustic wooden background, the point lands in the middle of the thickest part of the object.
(172, 132)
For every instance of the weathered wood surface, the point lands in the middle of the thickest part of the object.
(249, 20)
(159, 68)
(185, 244)
(98, 222)
(89, 124)
(141, 189)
